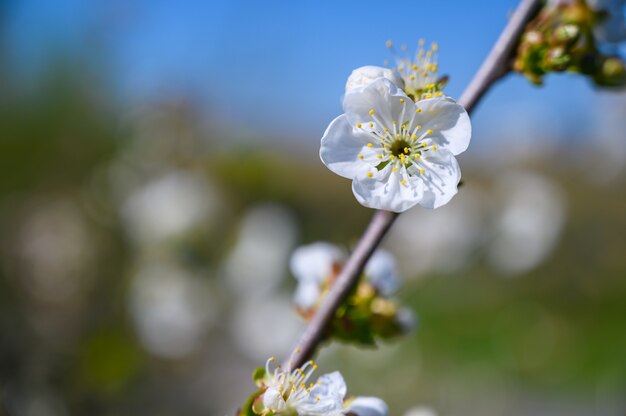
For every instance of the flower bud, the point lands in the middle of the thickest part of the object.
(364, 75)
(612, 72)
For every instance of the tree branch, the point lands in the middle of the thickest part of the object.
(495, 66)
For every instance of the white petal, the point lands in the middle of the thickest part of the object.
(381, 272)
(363, 76)
(341, 146)
(273, 399)
(313, 263)
(326, 397)
(386, 191)
(368, 406)
(306, 295)
(449, 122)
(441, 178)
(384, 97)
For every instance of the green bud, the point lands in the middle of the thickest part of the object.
(612, 73)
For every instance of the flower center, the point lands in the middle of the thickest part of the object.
(400, 147)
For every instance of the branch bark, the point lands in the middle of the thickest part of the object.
(496, 65)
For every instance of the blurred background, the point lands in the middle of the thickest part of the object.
(158, 165)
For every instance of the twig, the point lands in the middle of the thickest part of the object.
(495, 66)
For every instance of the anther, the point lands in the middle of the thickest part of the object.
(372, 112)
(369, 145)
(403, 182)
(359, 125)
(360, 156)
(429, 131)
(418, 110)
(370, 174)
(401, 100)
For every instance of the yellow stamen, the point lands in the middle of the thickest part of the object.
(359, 125)
(369, 145)
(372, 112)
(370, 174)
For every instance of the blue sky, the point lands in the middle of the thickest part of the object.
(278, 68)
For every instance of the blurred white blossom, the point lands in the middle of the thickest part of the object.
(529, 224)
(167, 206)
(257, 263)
(171, 309)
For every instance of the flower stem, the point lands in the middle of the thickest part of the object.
(496, 65)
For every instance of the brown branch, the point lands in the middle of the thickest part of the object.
(495, 66)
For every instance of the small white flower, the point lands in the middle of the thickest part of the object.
(363, 76)
(368, 406)
(398, 153)
(288, 392)
(318, 263)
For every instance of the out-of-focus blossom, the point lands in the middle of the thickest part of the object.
(316, 266)
(398, 153)
(312, 265)
(262, 325)
(171, 309)
(368, 313)
(529, 224)
(438, 240)
(418, 73)
(367, 406)
(365, 75)
(54, 251)
(168, 206)
(257, 263)
(420, 411)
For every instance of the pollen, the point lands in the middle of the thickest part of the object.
(395, 169)
(422, 171)
(403, 182)
(412, 77)
(406, 150)
(369, 145)
(370, 174)
(359, 125)
(379, 156)
(401, 100)
(414, 137)
(417, 156)
(360, 156)
(372, 112)
(371, 124)
(429, 131)
(418, 110)
(434, 147)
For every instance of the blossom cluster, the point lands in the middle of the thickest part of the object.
(575, 36)
(291, 392)
(369, 313)
(399, 136)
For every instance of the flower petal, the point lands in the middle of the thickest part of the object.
(381, 272)
(273, 399)
(363, 76)
(313, 263)
(368, 406)
(441, 178)
(306, 295)
(326, 398)
(341, 146)
(449, 122)
(385, 190)
(388, 101)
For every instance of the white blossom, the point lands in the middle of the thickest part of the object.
(398, 153)
(317, 264)
(288, 392)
